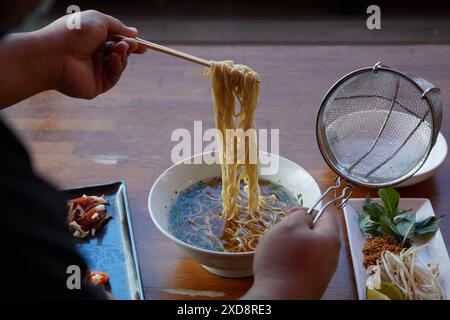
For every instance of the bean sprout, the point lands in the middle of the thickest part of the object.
(415, 279)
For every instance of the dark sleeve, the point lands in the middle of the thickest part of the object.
(37, 248)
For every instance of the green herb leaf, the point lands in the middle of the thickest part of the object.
(300, 199)
(405, 226)
(403, 211)
(380, 230)
(428, 226)
(388, 228)
(390, 199)
(366, 225)
(387, 219)
(373, 209)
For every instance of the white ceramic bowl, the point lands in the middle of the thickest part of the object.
(435, 159)
(181, 175)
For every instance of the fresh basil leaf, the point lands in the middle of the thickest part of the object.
(366, 225)
(404, 218)
(405, 226)
(428, 226)
(403, 211)
(374, 210)
(390, 199)
(389, 220)
(380, 230)
(388, 228)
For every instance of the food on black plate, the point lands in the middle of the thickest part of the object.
(87, 214)
(97, 278)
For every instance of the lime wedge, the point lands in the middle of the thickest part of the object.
(374, 294)
(391, 291)
(387, 291)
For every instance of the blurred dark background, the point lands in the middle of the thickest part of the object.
(275, 21)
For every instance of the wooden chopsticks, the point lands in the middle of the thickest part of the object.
(173, 52)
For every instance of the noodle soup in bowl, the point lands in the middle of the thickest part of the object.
(173, 188)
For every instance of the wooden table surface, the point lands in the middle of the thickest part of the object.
(125, 134)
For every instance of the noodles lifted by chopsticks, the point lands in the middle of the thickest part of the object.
(238, 146)
(247, 212)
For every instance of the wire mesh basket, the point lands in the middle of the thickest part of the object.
(376, 127)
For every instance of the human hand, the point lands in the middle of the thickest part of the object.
(295, 260)
(86, 61)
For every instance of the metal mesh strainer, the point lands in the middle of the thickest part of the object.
(376, 127)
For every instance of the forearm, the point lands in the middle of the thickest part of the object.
(27, 67)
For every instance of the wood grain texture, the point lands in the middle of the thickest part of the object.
(125, 134)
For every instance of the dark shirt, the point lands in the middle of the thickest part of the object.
(36, 247)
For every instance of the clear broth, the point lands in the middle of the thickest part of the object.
(196, 216)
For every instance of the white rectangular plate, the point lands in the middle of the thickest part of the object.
(435, 252)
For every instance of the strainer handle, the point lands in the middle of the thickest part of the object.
(345, 195)
(337, 185)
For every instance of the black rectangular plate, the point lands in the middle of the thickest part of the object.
(112, 249)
